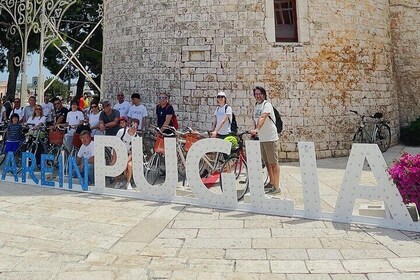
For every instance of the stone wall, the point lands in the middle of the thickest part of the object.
(405, 27)
(192, 49)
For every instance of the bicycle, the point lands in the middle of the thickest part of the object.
(381, 132)
(33, 143)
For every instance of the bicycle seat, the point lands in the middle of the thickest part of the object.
(378, 115)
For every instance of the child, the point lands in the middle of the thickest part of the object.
(14, 133)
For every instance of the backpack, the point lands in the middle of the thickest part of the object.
(233, 123)
(279, 122)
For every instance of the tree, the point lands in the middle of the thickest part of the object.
(78, 22)
(56, 89)
(11, 49)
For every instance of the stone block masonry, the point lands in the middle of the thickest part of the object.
(359, 56)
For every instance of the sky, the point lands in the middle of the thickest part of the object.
(32, 70)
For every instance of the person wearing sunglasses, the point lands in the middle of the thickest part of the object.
(222, 118)
(37, 118)
(164, 113)
(94, 114)
(122, 106)
(17, 109)
(60, 112)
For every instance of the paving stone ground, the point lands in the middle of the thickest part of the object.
(54, 234)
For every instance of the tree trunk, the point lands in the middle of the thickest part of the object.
(80, 85)
(13, 73)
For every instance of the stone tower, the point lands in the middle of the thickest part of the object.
(360, 55)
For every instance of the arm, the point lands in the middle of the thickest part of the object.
(165, 124)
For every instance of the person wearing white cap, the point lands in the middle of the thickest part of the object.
(222, 118)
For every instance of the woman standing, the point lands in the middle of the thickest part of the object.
(94, 119)
(222, 118)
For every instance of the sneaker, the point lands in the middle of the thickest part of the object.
(118, 185)
(128, 186)
(268, 186)
(273, 190)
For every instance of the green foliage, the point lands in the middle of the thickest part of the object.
(410, 135)
(56, 89)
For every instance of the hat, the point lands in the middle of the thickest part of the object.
(123, 119)
(221, 94)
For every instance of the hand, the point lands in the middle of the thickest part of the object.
(213, 134)
(101, 127)
(253, 132)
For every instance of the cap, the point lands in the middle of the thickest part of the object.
(123, 119)
(221, 94)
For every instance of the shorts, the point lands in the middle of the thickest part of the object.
(270, 152)
(11, 146)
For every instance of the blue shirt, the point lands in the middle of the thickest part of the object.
(14, 132)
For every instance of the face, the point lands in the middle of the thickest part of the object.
(32, 101)
(17, 103)
(15, 120)
(74, 106)
(38, 110)
(221, 99)
(46, 99)
(85, 139)
(163, 99)
(136, 101)
(94, 107)
(134, 125)
(57, 104)
(120, 97)
(123, 123)
(107, 109)
(259, 96)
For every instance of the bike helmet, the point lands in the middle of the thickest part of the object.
(378, 115)
(233, 141)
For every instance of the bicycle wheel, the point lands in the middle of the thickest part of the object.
(238, 167)
(55, 152)
(181, 164)
(153, 169)
(383, 137)
(31, 149)
(2, 153)
(265, 177)
(359, 137)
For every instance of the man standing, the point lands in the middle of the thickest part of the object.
(137, 111)
(109, 119)
(266, 131)
(164, 113)
(17, 109)
(47, 108)
(29, 110)
(60, 111)
(122, 106)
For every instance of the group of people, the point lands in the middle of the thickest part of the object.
(124, 120)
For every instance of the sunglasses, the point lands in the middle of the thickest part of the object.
(94, 106)
(220, 96)
(38, 109)
(162, 97)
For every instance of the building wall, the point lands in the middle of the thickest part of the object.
(405, 23)
(192, 49)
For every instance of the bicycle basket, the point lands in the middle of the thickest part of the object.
(76, 140)
(190, 139)
(159, 145)
(56, 137)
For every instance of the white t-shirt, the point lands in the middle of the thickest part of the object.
(27, 112)
(36, 120)
(220, 114)
(93, 121)
(47, 109)
(127, 138)
(87, 151)
(123, 108)
(18, 111)
(268, 131)
(138, 112)
(74, 118)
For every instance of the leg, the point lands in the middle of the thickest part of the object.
(129, 170)
(91, 173)
(270, 157)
